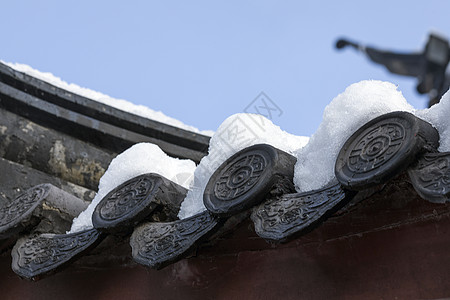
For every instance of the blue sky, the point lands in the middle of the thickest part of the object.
(201, 61)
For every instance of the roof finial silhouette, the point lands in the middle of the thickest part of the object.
(428, 66)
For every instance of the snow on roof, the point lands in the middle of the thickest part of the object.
(139, 110)
(316, 156)
(439, 116)
(237, 132)
(358, 104)
(139, 159)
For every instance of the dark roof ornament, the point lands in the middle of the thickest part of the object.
(35, 209)
(135, 200)
(159, 244)
(246, 178)
(38, 255)
(382, 148)
(280, 218)
(428, 66)
(17, 215)
(373, 155)
(430, 176)
(48, 211)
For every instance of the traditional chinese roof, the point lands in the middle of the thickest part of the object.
(378, 229)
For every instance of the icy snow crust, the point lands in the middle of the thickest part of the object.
(139, 159)
(139, 110)
(316, 156)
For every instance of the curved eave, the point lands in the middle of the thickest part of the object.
(93, 121)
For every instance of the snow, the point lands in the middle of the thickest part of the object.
(358, 104)
(139, 159)
(235, 133)
(439, 116)
(139, 110)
